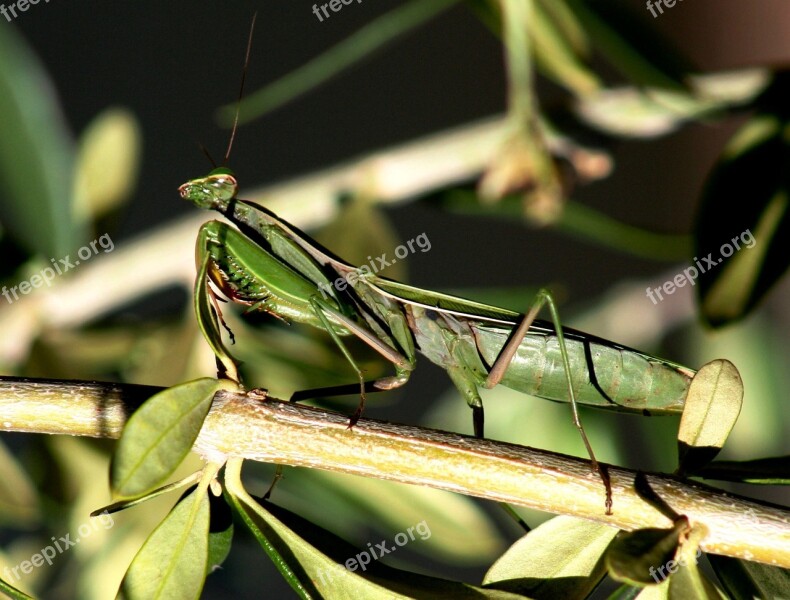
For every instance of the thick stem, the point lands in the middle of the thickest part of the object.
(289, 434)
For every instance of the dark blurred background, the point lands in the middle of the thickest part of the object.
(174, 63)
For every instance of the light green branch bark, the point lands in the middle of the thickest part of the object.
(289, 434)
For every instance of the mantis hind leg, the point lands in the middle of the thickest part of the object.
(507, 353)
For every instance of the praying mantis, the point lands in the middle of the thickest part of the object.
(268, 265)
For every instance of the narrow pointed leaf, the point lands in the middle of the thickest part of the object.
(712, 406)
(171, 565)
(562, 558)
(160, 434)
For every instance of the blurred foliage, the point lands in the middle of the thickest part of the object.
(56, 195)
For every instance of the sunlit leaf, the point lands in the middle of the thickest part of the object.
(712, 406)
(562, 558)
(108, 160)
(171, 565)
(160, 434)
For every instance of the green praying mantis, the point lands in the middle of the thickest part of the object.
(269, 265)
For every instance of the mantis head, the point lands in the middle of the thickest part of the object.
(214, 191)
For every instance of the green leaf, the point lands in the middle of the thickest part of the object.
(562, 558)
(626, 592)
(688, 582)
(762, 471)
(36, 156)
(744, 579)
(312, 560)
(461, 531)
(108, 161)
(160, 434)
(171, 565)
(220, 533)
(640, 557)
(12, 592)
(712, 406)
(744, 212)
